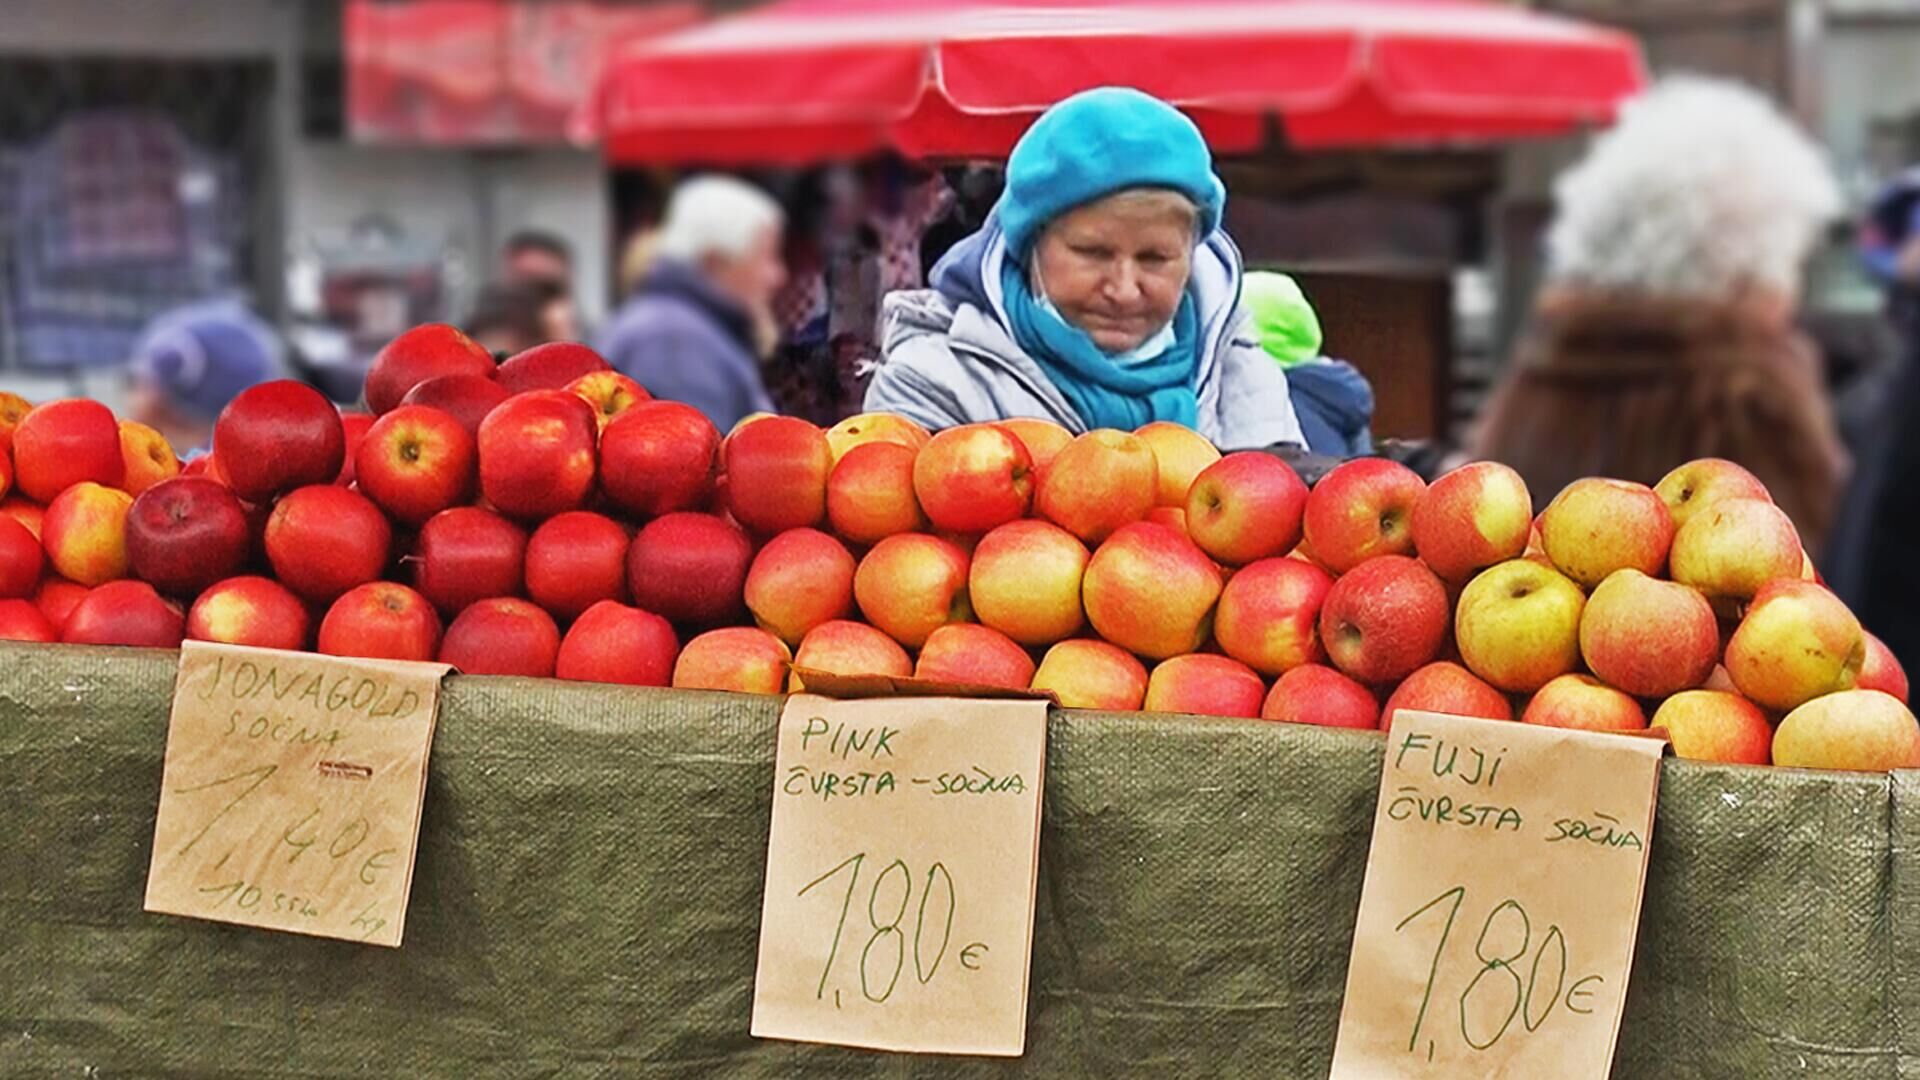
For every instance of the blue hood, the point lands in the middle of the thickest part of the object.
(1335, 405)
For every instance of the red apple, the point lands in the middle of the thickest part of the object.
(1648, 637)
(1880, 670)
(1024, 581)
(1584, 702)
(972, 478)
(1205, 685)
(777, 474)
(124, 613)
(353, 427)
(845, 647)
(323, 540)
(63, 443)
(1043, 440)
(1384, 619)
(1596, 526)
(1863, 730)
(502, 636)
(1796, 642)
(1361, 509)
(552, 366)
(146, 455)
(278, 436)
(422, 353)
(1151, 591)
(1317, 694)
(660, 457)
(1443, 687)
(1712, 725)
(1471, 518)
(690, 568)
(1182, 454)
(1269, 613)
(614, 643)
(800, 579)
(1698, 484)
(28, 513)
(57, 597)
(466, 398)
(1245, 507)
(381, 620)
(1097, 483)
(252, 611)
(21, 560)
(13, 409)
(911, 585)
(85, 533)
(737, 658)
(467, 554)
(870, 493)
(610, 393)
(1087, 674)
(974, 655)
(186, 533)
(20, 620)
(575, 561)
(874, 427)
(415, 462)
(537, 454)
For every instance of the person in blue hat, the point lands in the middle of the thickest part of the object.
(194, 359)
(1100, 293)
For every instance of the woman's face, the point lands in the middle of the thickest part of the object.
(1118, 267)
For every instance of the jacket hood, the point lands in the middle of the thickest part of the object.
(1336, 391)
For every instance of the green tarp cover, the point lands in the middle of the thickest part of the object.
(588, 891)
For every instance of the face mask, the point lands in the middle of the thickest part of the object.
(1158, 342)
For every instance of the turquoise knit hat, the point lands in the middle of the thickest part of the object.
(1099, 142)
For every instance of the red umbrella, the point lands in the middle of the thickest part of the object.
(806, 80)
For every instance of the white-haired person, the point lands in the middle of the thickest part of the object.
(693, 329)
(1665, 330)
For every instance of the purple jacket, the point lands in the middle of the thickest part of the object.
(685, 341)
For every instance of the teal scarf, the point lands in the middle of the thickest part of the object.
(1105, 393)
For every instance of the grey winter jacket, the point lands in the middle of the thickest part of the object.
(949, 359)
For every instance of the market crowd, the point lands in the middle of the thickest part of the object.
(1091, 284)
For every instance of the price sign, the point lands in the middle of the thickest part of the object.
(900, 874)
(1501, 901)
(291, 795)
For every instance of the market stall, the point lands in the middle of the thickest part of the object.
(1368, 157)
(588, 891)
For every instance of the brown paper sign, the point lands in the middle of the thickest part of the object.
(1501, 901)
(291, 794)
(900, 874)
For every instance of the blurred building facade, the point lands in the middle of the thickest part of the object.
(154, 148)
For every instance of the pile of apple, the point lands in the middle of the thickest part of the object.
(545, 517)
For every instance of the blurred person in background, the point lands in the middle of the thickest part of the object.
(703, 316)
(1101, 292)
(1332, 400)
(1665, 330)
(1890, 248)
(537, 255)
(543, 258)
(511, 317)
(193, 360)
(1870, 561)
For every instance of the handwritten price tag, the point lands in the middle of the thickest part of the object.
(900, 874)
(291, 794)
(1501, 901)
